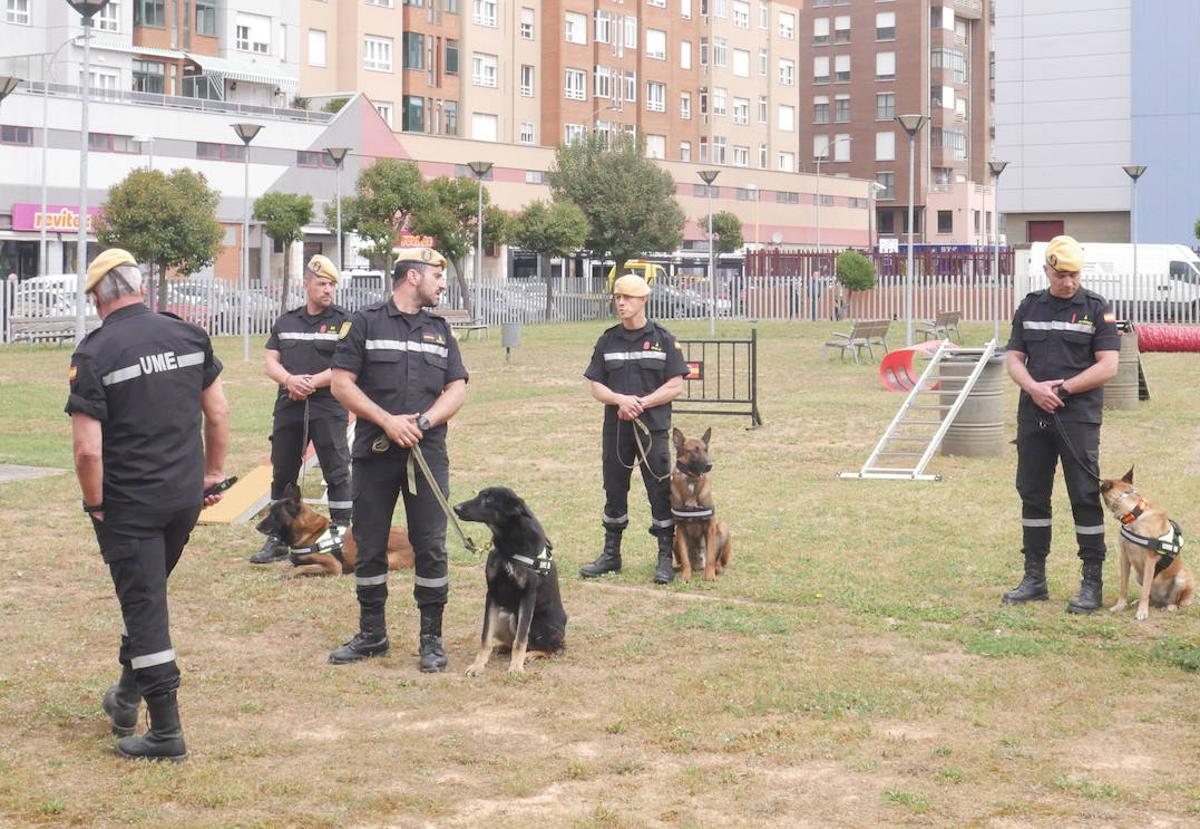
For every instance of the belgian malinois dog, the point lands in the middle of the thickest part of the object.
(701, 541)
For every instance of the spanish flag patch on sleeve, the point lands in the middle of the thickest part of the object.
(1109, 316)
(72, 374)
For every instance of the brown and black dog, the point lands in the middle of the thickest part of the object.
(1141, 522)
(701, 541)
(301, 527)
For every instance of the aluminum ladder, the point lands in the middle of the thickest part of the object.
(909, 435)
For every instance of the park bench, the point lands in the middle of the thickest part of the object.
(941, 327)
(461, 322)
(865, 334)
(47, 329)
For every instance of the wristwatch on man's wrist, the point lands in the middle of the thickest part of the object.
(91, 508)
(423, 423)
(1062, 391)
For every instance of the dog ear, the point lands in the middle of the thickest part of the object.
(1105, 486)
(677, 438)
(1128, 476)
(707, 436)
(292, 492)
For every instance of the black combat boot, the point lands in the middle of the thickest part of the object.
(164, 740)
(1033, 587)
(371, 640)
(121, 703)
(273, 549)
(1091, 589)
(664, 573)
(433, 655)
(608, 561)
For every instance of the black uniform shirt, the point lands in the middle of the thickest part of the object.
(637, 362)
(403, 362)
(1060, 337)
(305, 344)
(141, 374)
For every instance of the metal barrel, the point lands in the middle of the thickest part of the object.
(978, 430)
(1121, 392)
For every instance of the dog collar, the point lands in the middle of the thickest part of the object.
(541, 563)
(1138, 509)
(1168, 545)
(689, 473)
(692, 513)
(329, 541)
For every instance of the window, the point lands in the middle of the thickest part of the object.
(887, 221)
(220, 152)
(787, 71)
(685, 105)
(762, 109)
(145, 12)
(662, 4)
(741, 63)
(412, 113)
(685, 150)
(888, 180)
(103, 142)
(575, 84)
(764, 16)
(451, 8)
(718, 100)
(384, 108)
(253, 33)
(656, 44)
(821, 70)
(951, 60)
(885, 66)
(526, 80)
(719, 8)
(885, 106)
(741, 155)
(631, 32)
(527, 30)
(483, 126)
(841, 29)
(483, 13)
(741, 14)
(526, 136)
(718, 149)
(762, 62)
(787, 25)
(149, 76)
(206, 18)
(741, 110)
(945, 221)
(720, 50)
(103, 83)
(414, 50)
(942, 17)
(450, 116)
(885, 26)
(573, 133)
(602, 82)
(483, 70)
(785, 197)
(629, 86)
(787, 163)
(451, 57)
(949, 139)
(685, 54)
(704, 51)
(656, 146)
(316, 47)
(17, 11)
(604, 27)
(942, 96)
(841, 109)
(377, 53)
(821, 147)
(820, 31)
(762, 156)
(16, 135)
(885, 146)
(575, 28)
(685, 9)
(314, 158)
(841, 68)
(108, 19)
(787, 118)
(387, 4)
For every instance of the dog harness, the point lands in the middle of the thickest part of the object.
(329, 541)
(696, 513)
(1168, 545)
(540, 564)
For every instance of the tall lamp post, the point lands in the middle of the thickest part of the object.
(997, 167)
(753, 188)
(338, 154)
(1134, 171)
(47, 63)
(708, 177)
(246, 132)
(824, 157)
(872, 225)
(912, 125)
(480, 169)
(87, 9)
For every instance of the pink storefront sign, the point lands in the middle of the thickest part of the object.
(59, 218)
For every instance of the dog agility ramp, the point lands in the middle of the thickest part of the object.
(916, 431)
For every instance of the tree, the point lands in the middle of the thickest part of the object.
(168, 221)
(334, 105)
(855, 272)
(387, 195)
(727, 231)
(549, 230)
(628, 200)
(284, 216)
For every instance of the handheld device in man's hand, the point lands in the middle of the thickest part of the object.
(218, 488)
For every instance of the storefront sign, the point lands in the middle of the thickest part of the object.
(407, 240)
(59, 218)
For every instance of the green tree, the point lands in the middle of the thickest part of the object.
(168, 221)
(333, 105)
(727, 231)
(284, 216)
(628, 200)
(549, 230)
(1197, 229)
(387, 195)
(855, 272)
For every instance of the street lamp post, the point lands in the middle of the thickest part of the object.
(47, 62)
(87, 9)
(480, 169)
(338, 154)
(753, 188)
(1134, 171)
(872, 226)
(708, 177)
(997, 167)
(912, 125)
(146, 143)
(246, 132)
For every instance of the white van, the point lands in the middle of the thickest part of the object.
(1167, 284)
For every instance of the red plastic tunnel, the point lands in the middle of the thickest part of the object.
(1157, 337)
(896, 368)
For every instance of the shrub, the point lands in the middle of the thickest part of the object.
(855, 272)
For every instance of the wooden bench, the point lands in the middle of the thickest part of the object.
(460, 320)
(865, 334)
(941, 328)
(47, 329)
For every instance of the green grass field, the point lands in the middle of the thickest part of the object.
(853, 668)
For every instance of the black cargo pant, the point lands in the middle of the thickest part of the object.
(1039, 447)
(328, 435)
(379, 479)
(141, 547)
(619, 454)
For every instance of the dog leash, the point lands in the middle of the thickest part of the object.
(303, 450)
(640, 449)
(415, 452)
(1062, 433)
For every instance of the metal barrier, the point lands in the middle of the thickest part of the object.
(722, 374)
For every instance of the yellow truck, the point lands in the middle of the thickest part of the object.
(648, 271)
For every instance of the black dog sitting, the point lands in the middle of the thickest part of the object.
(524, 609)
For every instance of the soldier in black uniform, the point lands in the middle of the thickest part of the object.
(398, 368)
(138, 386)
(1063, 349)
(299, 356)
(637, 369)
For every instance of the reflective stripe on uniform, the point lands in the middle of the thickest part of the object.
(421, 581)
(635, 355)
(370, 581)
(1037, 522)
(340, 504)
(193, 359)
(1097, 529)
(1057, 325)
(152, 659)
(122, 374)
(666, 522)
(406, 345)
(153, 364)
(623, 519)
(307, 335)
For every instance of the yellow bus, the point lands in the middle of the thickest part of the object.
(648, 271)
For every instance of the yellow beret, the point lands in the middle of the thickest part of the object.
(321, 266)
(1064, 254)
(631, 285)
(104, 263)
(426, 256)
